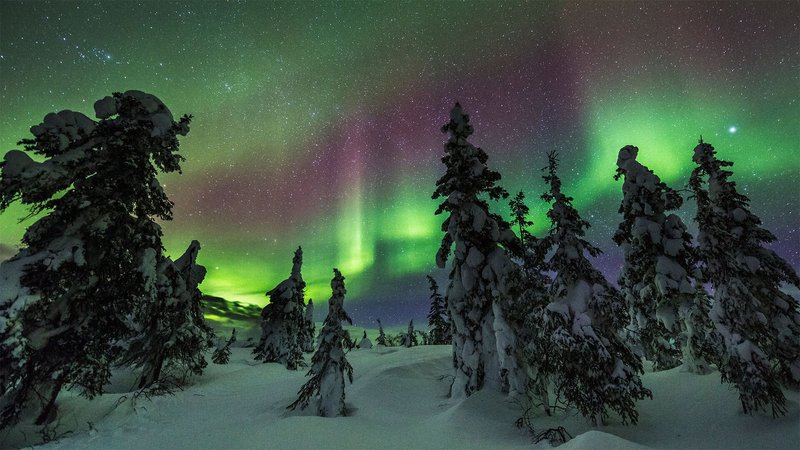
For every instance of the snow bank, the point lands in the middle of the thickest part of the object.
(398, 399)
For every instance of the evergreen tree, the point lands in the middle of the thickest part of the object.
(658, 262)
(381, 335)
(365, 342)
(308, 329)
(439, 326)
(174, 336)
(410, 337)
(283, 320)
(67, 296)
(482, 340)
(579, 346)
(329, 365)
(757, 325)
(519, 214)
(525, 309)
(348, 343)
(222, 355)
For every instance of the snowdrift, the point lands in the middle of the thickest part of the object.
(398, 400)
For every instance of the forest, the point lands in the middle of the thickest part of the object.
(92, 291)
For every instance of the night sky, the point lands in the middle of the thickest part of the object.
(317, 124)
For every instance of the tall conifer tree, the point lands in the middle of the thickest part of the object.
(283, 324)
(656, 276)
(483, 343)
(438, 324)
(757, 325)
(67, 297)
(329, 365)
(579, 346)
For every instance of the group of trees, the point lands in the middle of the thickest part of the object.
(92, 287)
(532, 316)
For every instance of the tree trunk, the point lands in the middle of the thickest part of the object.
(152, 371)
(49, 411)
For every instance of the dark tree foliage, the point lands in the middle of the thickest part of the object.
(439, 326)
(308, 328)
(578, 346)
(222, 355)
(410, 337)
(329, 365)
(381, 336)
(174, 336)
(757, 325)
(69, 293)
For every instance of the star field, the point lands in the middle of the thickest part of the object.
(317, 123)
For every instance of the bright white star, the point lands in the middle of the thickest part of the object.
(732, 130)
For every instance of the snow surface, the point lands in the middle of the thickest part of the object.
(397, 400)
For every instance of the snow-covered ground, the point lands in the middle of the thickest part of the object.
(398, 400)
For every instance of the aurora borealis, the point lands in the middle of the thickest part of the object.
(317, 124)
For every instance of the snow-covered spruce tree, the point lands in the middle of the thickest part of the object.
(309, 329)
(410, 337)
(283, 320)
(174, 336)
(438, 324)
(757, 325)
(66, 297)
(531, 284)
(222, 355)
(381, 335)
(365, 342)
(329, 365)
(579, 348)
(348, 342)
(484, 344)
(698, 351)
(655, 278)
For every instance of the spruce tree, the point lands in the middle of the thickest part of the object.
(381, 336)
(482, 340)
(655, 278)
(67, 297)
(283, 320)
(365, 342)
(438, 324)
(329, 365)
(579, 346)
(308, 330)
(222, 355)
(757, 325)
(171, 343)
(410, 337)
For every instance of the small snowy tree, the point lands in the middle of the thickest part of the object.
(438, 324)
(67, 296)
(658, 262)
(410, 337)
(483, 343)
(283, 320)
(757, 325)
(329, 365)
(381, 336)
(172, 342)
(222, 355)
(579, 346)
(365, 342)
(308, 330)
